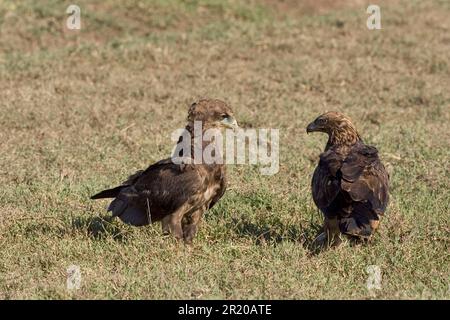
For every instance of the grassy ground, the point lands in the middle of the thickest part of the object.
(80, 110)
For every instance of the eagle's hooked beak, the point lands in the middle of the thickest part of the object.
(312, 127)
(230, 122)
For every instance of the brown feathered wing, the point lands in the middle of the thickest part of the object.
(353, 188)
(149, 195)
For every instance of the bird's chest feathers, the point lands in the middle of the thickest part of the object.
(211, 191)
(213, 182)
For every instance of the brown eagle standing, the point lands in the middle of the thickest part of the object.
(177, 194)
(350, 184)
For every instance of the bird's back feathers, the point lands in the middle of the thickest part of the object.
(149, 195)
(351, 184)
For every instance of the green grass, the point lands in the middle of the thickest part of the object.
(79, 111)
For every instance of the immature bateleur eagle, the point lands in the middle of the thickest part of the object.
(350, 184)
(177, 194)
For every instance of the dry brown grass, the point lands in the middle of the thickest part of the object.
(81, 110)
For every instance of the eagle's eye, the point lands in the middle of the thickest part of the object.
(224, 115)
(322, 121)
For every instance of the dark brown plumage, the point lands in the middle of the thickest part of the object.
(176, 194)
(350, 184)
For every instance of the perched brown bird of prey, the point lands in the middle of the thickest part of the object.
(177, 193)
(350, 184)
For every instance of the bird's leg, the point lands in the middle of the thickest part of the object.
(374, 225)
(331, 227)
(172, 224)
(190, 227)
(165, 225)
(330, 234)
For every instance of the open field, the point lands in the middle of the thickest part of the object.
(80, 110)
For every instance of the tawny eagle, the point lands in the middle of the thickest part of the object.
(350, 184)
(177, 193)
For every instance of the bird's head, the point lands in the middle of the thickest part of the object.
(212, 113)
(339, 128)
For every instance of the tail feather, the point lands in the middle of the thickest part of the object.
(359, 222)
(128, 214)
(109, 193)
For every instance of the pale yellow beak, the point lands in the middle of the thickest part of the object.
(230, 122)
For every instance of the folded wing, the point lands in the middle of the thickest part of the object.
(353, 188)
(147, 196)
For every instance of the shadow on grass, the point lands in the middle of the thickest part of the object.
(278, 233)
(98, 227)
(307, 237)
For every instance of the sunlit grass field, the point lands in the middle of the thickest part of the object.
(80, 110)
